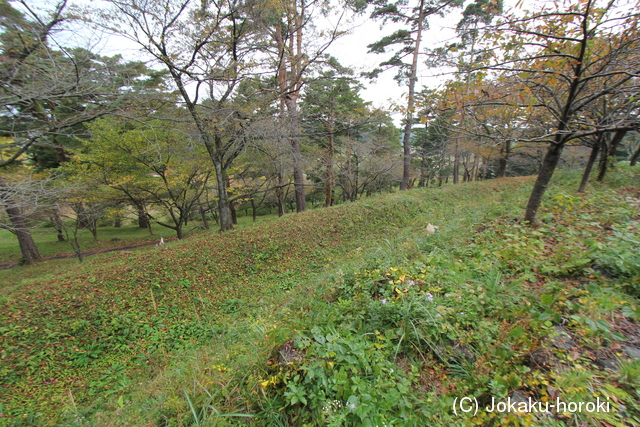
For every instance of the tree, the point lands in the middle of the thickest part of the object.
(16, 202)
(332, 107)
(48, 93)
(146, 159)
(368, 160)
(415, 14)
(568, 57)
(297, 48)
(207, 48)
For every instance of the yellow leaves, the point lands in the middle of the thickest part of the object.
(272, 380)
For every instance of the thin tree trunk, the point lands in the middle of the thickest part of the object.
(76, 246)
(203, 216)
(57, 224)
(234, 213)
(253, 210)
(456, 162)
(635, 156)
(224, 210)
(406, 138)
(423, 168)
(613, 146)
(505, 151)
(590, 162)
(547, 168)
(298, 167)
(474, 168)
(329, 178)
(604, 160)
(484, 168)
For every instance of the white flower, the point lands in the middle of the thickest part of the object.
(383, 300)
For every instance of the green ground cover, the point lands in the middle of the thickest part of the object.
(108, 237)
(347, 316)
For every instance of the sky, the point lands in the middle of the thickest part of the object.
(351, 50)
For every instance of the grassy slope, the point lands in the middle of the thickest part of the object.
(132, 336)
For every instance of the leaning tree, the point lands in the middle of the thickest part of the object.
(568, 57)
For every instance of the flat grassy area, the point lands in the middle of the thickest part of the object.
(108, 237)
(381, 323)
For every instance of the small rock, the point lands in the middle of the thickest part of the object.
(632, 352)
(431, 229)
(605, 359)
(541, 358)
(519, 396)
(288, 354)
(563, 340)
(605, 363)
(461, 351)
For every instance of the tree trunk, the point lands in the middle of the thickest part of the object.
(57, 224)
(329, 178)
(456, 162)
(76, 246)
(604, 160)
(475, 169)
(423, 167)
(203, 216)
(613, 147)
(590, 162)
(413, 78)
(298, 167)
(254, 212)
(28, 248)
(484, 168)
(226, 222)
(635, 156)
(505, 151)
(549, 164)
(234, 213)
(117, 222)
(143, 218)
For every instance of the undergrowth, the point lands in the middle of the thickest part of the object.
(349, 316)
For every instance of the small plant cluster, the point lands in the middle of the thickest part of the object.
(514, 312)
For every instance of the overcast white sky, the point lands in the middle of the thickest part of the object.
(351, 50)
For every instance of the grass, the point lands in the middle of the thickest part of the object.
(108, 237)
(188, 335)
